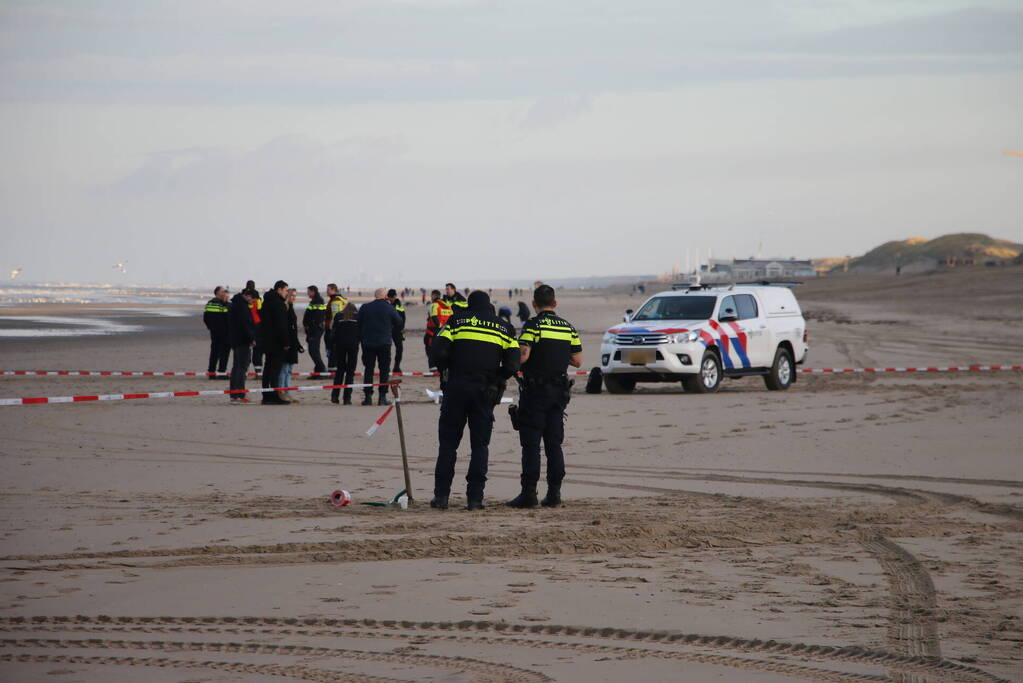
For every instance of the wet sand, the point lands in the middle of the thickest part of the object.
(852, 528)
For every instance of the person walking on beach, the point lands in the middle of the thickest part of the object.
(314, 321)
(399, 336)
(242, 334)
(346, 351)
(294, 348)
(479, 353)
(549, 344)
(275, 339)
(378, 323)
(215, 318)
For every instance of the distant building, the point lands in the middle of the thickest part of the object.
(758, 269)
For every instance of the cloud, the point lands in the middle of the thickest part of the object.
(553, 110)
(288, 162)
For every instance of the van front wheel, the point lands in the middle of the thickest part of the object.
(619, 385)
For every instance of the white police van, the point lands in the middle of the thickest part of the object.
(698, 334)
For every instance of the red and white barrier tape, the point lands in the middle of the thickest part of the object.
(946, 368)
(427, 373)
(173, 394)
(153, 373)
(380, 420)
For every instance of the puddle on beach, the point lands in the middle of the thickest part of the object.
(32, 326)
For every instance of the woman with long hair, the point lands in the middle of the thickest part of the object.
(291, 355)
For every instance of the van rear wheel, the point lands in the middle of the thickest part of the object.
(782, 371)
(619, 385)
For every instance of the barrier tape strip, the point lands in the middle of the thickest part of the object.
(176, 394)
(427, 373)
(380, 420)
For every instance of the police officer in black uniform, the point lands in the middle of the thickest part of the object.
(549, 344)
(478, 353)
(215, 317)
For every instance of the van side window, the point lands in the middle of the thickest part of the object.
(727, 307)
(747, 306)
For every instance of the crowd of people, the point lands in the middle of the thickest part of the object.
(262, 332)
(472, 344)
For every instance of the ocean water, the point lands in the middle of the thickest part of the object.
(38, 326)
(75, 293)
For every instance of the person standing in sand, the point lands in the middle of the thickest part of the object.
(479, 353)
(378, 323)
(274, 339)
(215, 318)
(549, 344)
(242, 334)
(346, 351)
(294, 348)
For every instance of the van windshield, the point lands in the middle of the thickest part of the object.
(677, 308)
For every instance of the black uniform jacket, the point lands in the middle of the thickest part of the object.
(476, 344)
(240, 326)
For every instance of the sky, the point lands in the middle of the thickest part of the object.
(421, 141)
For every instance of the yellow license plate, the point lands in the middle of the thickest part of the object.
(639, 356)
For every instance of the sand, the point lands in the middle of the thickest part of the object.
(853, 528)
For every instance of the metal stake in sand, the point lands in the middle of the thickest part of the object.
(401, 437)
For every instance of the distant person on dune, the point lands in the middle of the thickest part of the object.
(215, 318)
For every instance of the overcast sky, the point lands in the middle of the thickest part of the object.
(214, 140)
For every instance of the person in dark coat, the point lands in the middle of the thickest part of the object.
(345, 351)
(275, 339)
(295, 348)
(378, 322)
(523, 312)
(241, 331)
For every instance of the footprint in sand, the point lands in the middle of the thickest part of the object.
(462, 598)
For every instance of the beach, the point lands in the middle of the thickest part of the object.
(856, 527)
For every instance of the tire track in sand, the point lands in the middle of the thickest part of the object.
(912, 625)
(531, 635)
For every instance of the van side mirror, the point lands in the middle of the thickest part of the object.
(628, 316)
(728, 316)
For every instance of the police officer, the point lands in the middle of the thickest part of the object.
(399, 335)
(215, 317)
(454, 298)
(314, 320)
(335, 304)
(549, 344)
(437, 315)
(478, 353)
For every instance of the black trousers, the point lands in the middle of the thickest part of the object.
(312, 342)
(463, 403)
(347, 358)
(373, 357)
(271, 373)
(399, 348)
(257, 356)
(542, 418)
(242, 356)
(328, 345)
(220, 349)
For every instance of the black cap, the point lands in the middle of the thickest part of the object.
(391, 293)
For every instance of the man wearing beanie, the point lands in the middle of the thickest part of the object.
(477, 352)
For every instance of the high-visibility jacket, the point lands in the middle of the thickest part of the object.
(214, 316)
(315, 314)
(436, 317)
(336, 304)
(255, 307)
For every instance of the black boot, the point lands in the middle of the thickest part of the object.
(526, 499)
(475, 504)
(439, 503)
(553, 497)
